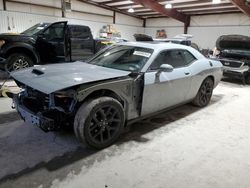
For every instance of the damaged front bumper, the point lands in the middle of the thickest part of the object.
(235, 72)
(37, 119)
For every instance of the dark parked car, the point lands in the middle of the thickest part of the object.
(47, 43)
(119, 85)
(234, 54)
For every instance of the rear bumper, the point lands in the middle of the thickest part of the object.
(37, 119)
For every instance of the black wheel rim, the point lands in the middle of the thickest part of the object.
(104, 124)
(206, 92)
(19, 63)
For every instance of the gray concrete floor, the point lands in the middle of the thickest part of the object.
(185, 147)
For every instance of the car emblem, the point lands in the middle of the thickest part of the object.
(226, 63)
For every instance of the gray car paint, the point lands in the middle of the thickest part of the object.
(96, 78)
(61, 76)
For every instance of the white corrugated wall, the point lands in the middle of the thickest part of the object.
(205, 29)
(20, 16)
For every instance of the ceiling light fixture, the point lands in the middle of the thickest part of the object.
(168, 6)
(131, 10)
(216, 1)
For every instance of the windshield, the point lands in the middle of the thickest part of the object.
(35, 29)
(128, 58)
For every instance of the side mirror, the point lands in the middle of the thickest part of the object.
(41, 35)
(165, 68)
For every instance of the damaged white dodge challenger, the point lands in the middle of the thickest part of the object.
(119, 85)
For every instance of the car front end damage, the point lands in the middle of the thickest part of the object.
(234, 68)
(48, 111)
(234, 53)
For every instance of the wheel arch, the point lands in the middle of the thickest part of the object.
(104, 92)
(25, 50)
(210, 76)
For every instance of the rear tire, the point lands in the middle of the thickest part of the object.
(18, 61)
(99, 122)
(205, 93)
(247, 78)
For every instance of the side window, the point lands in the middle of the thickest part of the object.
(159, 60)
(80, 32)
(189, 58)
(55, 31)
(177, 58)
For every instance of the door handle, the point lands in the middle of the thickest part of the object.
(210, 63)
(187, 73)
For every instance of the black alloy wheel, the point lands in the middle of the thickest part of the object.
(98, 123)
(18, 61)
(205, 93)
(104, 124)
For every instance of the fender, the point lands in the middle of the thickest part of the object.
(124, 88)
(26, 46)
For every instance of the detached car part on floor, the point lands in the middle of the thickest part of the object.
(118, 86)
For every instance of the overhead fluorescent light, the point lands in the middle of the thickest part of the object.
(168, 6)
(216, 1)
(131, 10)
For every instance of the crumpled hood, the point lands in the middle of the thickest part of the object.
(51, 78)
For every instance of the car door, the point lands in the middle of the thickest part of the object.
(50, 44)
(81, 42)
(168, 88)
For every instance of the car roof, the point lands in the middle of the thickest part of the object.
(160, 46)
(155, 45)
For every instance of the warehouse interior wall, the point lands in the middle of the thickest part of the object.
(1, 5)
(22, 15)
(171, 26)
(205, 29)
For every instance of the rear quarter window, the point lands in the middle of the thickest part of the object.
(188, 57)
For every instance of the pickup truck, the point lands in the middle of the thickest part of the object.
(47, 43)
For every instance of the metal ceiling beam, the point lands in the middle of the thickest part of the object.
(4, 5)
(241, 4)
(207, 6)
(173, 13)
(211, 11)
(116, 1)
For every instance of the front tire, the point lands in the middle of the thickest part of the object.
(205, 93)
(18, 61)
(99, 122)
